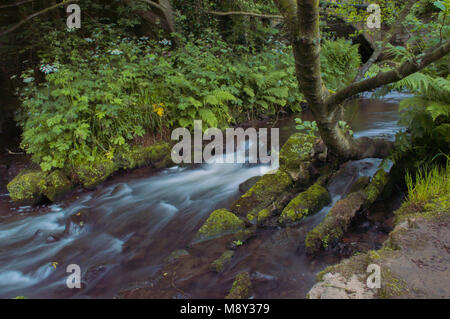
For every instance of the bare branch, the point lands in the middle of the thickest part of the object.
(18, 25)
(387, 38)
(407, 68)
(15, 4)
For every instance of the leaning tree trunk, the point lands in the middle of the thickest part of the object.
(305, 37)
(302, 19)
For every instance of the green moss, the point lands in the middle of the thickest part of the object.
(158, 155)
(219, 264)
(27, 187)
(334, 225)
(263, 193)
(263, 215)
(360, 184)
(91, 175)
(306, 203)
(57, 185)
(296, 150)
(242, 287)
(220, 222)
(391, 285)
(376, 186)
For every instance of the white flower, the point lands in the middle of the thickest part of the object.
(48, 68)
(115, 52)
(89, 40)
(165, 42)
(28, 80)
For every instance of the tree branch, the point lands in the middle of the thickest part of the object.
(288, 9)
(15, 4)
(407, 68)
(18, 25)
(387, 38)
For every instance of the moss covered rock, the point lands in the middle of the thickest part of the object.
(92, 174)
(158, 155)
(242, 287)
(306, 203)
(27, 187)
(296, 156)
(219, 223)
(57, 185)
(376, 186)
(335, 223)
(263, 193)
(219, 264)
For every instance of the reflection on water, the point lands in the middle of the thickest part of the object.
(122, 232)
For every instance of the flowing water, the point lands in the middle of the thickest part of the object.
(121, 233)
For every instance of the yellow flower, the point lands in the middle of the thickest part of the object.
(160, 112)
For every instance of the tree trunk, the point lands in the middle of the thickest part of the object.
(302, 19)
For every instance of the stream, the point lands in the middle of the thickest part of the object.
(121, 233)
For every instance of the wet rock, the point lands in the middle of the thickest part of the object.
(306, 203)
(219, 264)
(336, 223)
(296, 157)
(158, 155)
(242, 287)
(79, 217)
(335, 286)
(241, 237)
(248, 184)
(52, 238)
(27, 187)
(219, 223)
(57, 186)
(263, 193)
(92, 174)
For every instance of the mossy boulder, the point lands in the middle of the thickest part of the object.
(306, 203)
(296, 156)
(57, 185)
(242, 287)
(27, 187)
(263, 193)
(219, 264)
(220, 222)
(92, 174)
(158, 155)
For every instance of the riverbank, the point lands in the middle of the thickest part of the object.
(414, 260)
